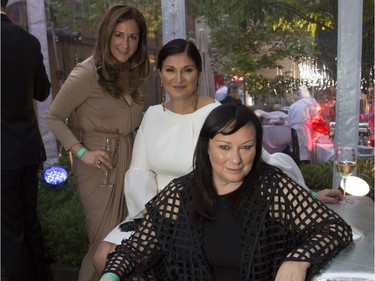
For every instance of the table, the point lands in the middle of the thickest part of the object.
(276, 138)
(356, 262)
(324, 152)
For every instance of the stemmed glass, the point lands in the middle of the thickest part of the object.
(109, 146)
(345, 163)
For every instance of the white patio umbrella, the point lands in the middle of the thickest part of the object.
(206, 79)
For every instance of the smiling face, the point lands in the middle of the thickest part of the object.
(179, 76)
(124, 41)
(232, 158)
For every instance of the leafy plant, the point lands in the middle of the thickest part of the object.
(319, 175)
(62, 221)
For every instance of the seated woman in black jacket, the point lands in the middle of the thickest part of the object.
(233, 217)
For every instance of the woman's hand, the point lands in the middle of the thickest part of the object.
(94, 158)
(292, 271)
(330, 195)
(97, 158)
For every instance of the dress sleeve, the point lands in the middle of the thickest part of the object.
(141, 251)
(323, 232)
(72, 94)
(140, 181)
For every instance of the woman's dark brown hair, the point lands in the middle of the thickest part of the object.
(178, 46)
(136, 69)
(225, 119)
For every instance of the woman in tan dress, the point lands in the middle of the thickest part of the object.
(103, 95)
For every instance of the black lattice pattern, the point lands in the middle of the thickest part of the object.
(281, 221)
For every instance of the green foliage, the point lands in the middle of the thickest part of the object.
(366, 171)
(62, 221)
(284, 29)
(85, 15)
(319, 175)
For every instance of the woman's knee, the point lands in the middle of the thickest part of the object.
(101, 253)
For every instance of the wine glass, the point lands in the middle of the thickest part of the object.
(345, 163)
(109, 146)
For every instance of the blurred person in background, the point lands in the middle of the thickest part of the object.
(369, 118)
(300, 117)
(23, 80)
(221, 93)
(232, 95)
(364, 106)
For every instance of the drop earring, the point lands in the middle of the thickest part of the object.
(162, 96)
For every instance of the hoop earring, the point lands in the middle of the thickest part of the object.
(162, 96)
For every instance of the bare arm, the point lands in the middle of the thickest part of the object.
(292, 271)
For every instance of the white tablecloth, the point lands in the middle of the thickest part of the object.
(357, 261)
(276, 138)
(324, 152)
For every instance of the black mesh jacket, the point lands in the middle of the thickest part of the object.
(280, 222)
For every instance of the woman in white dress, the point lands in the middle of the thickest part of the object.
(165, 142)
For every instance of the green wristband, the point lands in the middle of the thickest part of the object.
(111, 275)
(81, 152)
(314, 194)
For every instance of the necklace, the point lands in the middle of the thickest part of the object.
(195, 104)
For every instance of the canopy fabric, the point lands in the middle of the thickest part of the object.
(349, 52)
(206, 84)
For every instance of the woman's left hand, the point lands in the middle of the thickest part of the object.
(330, 195)
(292, 271)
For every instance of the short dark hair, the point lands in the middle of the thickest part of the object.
(225, 119)
(177, 46)
(232, 86)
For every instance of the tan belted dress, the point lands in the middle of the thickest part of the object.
(97, 115)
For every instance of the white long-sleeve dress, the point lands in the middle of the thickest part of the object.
(163, 150)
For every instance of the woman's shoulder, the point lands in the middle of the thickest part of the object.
(86, 68)
(272, 178)
(183, 184)
(152, 112)
(206, 104)
(153, 118)
(205, 100)
(269, 173)
(177, 192)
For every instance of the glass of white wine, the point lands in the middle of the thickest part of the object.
(109, 146)
(345, 163)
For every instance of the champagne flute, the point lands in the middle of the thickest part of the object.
(345, 163)
(109, 146)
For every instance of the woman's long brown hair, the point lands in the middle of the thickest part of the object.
(136, 69)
